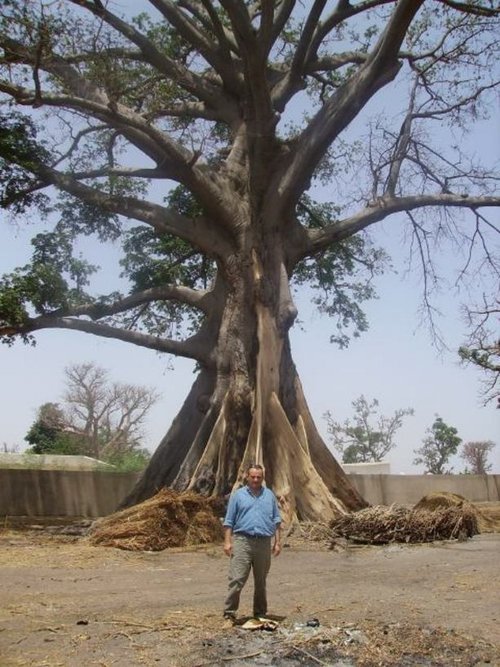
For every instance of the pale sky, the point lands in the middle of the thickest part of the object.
(394, 361)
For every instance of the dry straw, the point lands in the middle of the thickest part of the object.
(435, 517)
(168, 519)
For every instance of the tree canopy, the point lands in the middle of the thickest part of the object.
(239, 150)
(369, 436)
(438, 447)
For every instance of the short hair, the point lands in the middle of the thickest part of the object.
(255, 466)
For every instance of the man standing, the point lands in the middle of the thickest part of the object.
(252, 520)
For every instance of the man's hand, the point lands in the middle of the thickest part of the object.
(228, 548)
(276, 548)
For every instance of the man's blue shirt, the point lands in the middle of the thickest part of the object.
(253, 515)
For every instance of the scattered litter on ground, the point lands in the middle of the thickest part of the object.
(168, 519)
(349, 645)
(260, 624)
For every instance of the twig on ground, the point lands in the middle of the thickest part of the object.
(309, 655)
(137, 625)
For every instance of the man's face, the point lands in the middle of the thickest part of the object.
(255, 478)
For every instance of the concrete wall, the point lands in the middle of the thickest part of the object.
(62, 493)
(68, 493)
(375, 468)
(409, 489)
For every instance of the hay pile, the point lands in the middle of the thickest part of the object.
(488, 514)
(439, 499)
(382, 525)
(306, 535)
(168, 519)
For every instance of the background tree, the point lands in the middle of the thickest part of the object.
(206, 96)
(360, 440)
(108, 417)
(441, 443)
(98, 418)
(48, 434)
(475, 455)
(483, 346)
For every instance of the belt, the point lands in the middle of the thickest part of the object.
(253, 537)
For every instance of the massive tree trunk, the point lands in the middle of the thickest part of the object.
(249, 406)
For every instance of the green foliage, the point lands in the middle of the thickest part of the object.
(132, 461)
(47, 434)
(441, 443)
(360, 440)
(20, 153)
(53, 281)
(340, 276)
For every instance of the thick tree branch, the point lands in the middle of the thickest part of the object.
(343, 106)
(217, 58)
(194, 347)
(469, 8)
(177, 162)
(343, 10)
(319, 239)
(188, 80)
(199, 299)
(199, 232)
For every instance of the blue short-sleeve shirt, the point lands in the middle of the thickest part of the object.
(253, 515)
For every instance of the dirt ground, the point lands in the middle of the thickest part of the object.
(65, 602)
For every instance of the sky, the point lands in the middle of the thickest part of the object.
(395, 361)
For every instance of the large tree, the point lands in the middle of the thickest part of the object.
(203, 100)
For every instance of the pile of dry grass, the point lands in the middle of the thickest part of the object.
(439, 499)
(488, 514)
(382, 525)
(168, 519)
(489, 517)
(308, 535)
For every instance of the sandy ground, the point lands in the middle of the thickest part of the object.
(64, 602)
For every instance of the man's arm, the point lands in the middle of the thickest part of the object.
(228, 540)
(277, 540)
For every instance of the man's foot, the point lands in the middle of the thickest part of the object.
(229, 621)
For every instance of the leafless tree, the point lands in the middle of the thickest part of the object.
(106, 417)
(475, 455)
